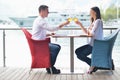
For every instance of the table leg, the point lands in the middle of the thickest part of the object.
(4, 60)
(71, 54)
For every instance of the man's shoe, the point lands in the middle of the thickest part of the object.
(48, 70)
(54, 71)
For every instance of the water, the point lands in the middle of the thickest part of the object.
(18, 54)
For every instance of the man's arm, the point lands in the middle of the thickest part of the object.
(47, 27)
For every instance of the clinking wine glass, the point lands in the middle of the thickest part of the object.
(70, 19)
(75, 19)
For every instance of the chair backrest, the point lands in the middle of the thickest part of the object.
(39, 51)
(112, 37)
(102, 51)
(113, 34)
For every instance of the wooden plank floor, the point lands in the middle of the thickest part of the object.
(40, 74)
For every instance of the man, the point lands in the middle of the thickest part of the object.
(40, 26)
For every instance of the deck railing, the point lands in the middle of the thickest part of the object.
(29, 28)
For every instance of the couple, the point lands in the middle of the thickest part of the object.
(40, 26)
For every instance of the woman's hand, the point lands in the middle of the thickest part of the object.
(81, 26)
(78, 23)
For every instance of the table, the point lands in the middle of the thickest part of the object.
(71, 47)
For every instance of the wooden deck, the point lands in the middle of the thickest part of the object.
(40, 74)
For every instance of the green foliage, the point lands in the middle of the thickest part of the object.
(110, 13)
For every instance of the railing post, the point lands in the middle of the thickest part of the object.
(110, 30)
(4, 64)
(4, 40)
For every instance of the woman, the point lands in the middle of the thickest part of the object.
(96, 31)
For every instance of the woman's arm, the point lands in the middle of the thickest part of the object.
(92, 28)
(82, 27)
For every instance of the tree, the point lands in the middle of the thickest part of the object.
(110, 13)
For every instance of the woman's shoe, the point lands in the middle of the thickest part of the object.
(90, 72)
(92, 69)
(95, 69)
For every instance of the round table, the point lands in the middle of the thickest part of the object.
(71, 47)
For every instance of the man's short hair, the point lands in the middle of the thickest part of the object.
(42, 7)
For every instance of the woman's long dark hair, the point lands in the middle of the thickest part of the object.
(98, 15)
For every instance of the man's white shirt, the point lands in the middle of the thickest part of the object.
(40, 28)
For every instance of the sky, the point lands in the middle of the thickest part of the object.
(30, 7)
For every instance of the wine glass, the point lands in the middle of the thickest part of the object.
(70, 19)
(75, 19)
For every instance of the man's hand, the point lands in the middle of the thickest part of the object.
(50, 34)
(63, 24)
(67, 22)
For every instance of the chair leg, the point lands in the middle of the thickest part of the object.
(111, 70)
(51, 70)
(30, 70)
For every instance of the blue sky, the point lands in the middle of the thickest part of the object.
(30, 7)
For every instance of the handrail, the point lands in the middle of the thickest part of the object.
(30, 28)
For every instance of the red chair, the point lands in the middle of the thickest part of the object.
(40, 52)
